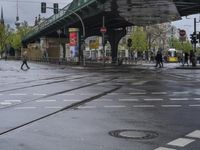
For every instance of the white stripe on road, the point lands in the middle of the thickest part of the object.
(164, 148)
(197, 99)
(113, 93)
(179, 99)
(18, 94)
(139, 93)
(5, 103)
(52, 107)
(128, 100)
(46, 100)
(115, 106)
(143, 106)
(23, 108)
(159, 93)
(71, 100)
(13, 101)
(171, 106)
(180, 142)
(194, 134)
(103, 100)
(153, 99)
(197, 105)
(184, 92)
(86, 107)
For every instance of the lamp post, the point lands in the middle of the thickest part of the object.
(43, 10)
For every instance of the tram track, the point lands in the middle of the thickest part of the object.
(58, 93)
(53, 82)
(68, 107)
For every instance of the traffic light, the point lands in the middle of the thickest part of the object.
(43, 7)
(55, 8)
(198, 37)
(193, 38)
(129, 43)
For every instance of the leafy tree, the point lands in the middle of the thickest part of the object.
(139, 39)
(16, 37)
(5, 33)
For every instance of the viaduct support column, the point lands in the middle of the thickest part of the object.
(114, 36)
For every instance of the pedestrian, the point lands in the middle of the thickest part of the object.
(24, 60)
(186, 59)
(159, 60)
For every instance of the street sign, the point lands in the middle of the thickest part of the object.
(103, 30)
(182, 33)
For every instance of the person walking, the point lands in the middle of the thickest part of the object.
(159, 59)
(186, 59)
(24, 60)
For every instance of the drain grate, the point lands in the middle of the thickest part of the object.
(134, 134)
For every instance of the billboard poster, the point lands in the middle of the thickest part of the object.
(73, 42)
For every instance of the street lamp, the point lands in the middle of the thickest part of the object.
(43, 10)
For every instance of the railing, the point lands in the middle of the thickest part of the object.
(63, 13)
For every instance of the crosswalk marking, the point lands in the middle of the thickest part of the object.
(197, 105)
(128, 100)
(194, 134)
(138, 93)
(143, 106)
(153, 99)
(23, 108)
(197, 99)
(13, 101)
(180, 142)
(52, 107)
(46, 100)
(171, 106)
(159, 93)
(179, 99)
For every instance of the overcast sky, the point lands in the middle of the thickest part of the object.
(29, 9)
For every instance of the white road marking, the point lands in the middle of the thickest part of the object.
(197, 99)
(180, 142)
(115, 106)
(52, 107)
(153, 99)
(46, 100)
(86, 107)
(18, 94)
(164, 148)
(113, 93)
(184, 92)
(197, 105)
(171, 106)
(103, 100)
(39, 94)
(128, 100)
(143, 106)
(5, 103)
(194, 134)
(23, 108)
(179, 99)
(71, 100)
(159, 93)
(139, 93)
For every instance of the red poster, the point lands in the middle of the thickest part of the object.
(73, 36)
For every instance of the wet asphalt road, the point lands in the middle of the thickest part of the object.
(51, 107)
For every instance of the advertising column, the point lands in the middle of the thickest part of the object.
(74, 43)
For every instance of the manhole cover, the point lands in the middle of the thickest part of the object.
(134, 134)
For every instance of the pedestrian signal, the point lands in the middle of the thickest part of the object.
(55, 8)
